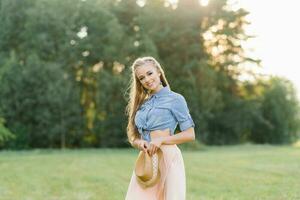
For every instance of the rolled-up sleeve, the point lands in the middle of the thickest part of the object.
(181, 112)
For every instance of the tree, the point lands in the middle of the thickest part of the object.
(280, 113)
(41, 105)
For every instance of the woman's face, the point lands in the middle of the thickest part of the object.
(149, 77)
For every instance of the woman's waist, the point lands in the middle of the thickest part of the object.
(160, 133)
(164, 133)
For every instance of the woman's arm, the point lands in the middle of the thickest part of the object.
(182, 137)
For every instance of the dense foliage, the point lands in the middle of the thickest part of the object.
(65, 69)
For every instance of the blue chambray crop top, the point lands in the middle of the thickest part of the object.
(164, 109)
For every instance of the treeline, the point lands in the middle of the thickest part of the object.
(65, 69)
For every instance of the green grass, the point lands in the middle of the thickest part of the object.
(234, 172)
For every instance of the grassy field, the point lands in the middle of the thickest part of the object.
(235, 172)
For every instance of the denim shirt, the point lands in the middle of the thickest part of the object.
(164, 109)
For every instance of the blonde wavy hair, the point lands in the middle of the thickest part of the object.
(138, 94)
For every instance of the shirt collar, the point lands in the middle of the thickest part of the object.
(162, 91)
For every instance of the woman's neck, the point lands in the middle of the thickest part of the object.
(156, 90)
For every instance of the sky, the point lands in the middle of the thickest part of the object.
(277, 43)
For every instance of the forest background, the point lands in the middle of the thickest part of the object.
(65, 70)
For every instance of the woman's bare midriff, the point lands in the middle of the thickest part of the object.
(160, 133)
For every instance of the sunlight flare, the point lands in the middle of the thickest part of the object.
(204, 2)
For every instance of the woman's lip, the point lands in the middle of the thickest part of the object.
(150, 84)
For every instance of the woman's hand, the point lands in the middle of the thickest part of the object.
(154, 145)
(143, 145)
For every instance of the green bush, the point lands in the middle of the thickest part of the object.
(5, 134)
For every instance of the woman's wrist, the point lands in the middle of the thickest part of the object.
(136, 143)
(164, 139)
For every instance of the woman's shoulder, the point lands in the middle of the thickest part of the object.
(172, 99)
(177, 96)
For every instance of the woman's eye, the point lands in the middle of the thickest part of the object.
(141, 78)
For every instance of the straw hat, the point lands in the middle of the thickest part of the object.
(146, 168)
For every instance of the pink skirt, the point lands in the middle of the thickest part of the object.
(171, 185)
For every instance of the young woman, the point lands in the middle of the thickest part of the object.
(153, 112)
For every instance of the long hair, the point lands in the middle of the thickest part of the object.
(138, 94)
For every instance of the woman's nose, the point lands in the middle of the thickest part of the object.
(147, 79)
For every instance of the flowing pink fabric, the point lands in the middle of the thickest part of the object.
(172, 182)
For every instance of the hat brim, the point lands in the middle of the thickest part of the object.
(155, 159)
(149, 183)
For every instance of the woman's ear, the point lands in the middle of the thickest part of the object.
(159, 73)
